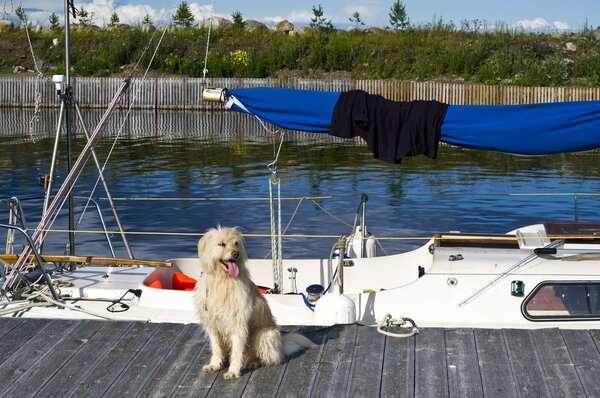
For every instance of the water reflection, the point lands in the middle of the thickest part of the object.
(213, 169)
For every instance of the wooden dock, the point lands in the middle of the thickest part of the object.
(58, 358)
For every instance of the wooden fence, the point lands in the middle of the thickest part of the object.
(181, 93)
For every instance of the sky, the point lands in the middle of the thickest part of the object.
(550, 15)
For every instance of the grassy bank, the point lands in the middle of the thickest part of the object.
(439, 52)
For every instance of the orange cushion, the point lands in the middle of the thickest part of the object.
(157, 284)
(183, 282)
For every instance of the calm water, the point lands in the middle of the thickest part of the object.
(224, 156)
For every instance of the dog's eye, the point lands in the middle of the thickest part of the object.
(222, 244)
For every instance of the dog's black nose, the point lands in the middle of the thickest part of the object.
(235, 254)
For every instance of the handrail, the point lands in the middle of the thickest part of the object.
(38, 258)
(21, 213)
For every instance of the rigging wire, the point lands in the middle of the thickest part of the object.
(132, 103)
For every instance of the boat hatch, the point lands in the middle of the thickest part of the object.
(562, 300)
(574, 232)
(476, 240)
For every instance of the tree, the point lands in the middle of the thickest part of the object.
(147, 20)
(54, 21)
(319, 22)
(86, 19)
(20, 13)
(114, 20)
(238, 19)
(398, 17)
(355, 19)
(183, 17)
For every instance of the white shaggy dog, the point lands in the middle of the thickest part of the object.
(235, 316)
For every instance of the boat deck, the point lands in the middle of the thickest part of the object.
(98, 358)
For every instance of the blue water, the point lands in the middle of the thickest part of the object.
(224, 158)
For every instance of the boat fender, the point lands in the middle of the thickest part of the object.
(183, 282)
(355, 244)
(157, 284)
(265, 290)
(335, 309)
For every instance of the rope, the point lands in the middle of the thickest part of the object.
(205, 70)
(218, 199)
(12, 7)
(389, 322)
(37, 93)
(276, 236)
(331, 215)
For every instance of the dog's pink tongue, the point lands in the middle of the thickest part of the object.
(233, 269)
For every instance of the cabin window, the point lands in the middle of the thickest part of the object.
(578, 300)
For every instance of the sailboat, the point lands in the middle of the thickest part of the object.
(536, 276)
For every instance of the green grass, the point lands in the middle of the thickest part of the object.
(438, 51)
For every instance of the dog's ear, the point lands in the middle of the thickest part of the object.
(203, 242)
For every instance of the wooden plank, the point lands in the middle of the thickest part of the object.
(173, 368)
(523, 358)
(430, 364)
(16, 336)
(264, 381)
(301, 369)
(143, 365)
(195, 382)
(398, 376)
(586, 357)
(108, 369)
(27, 351)
(334, 367)
(367, 363)
(229, 388)
(85, 359)
(561, 376)
(464, 377)
(55, 350)
(7, 325)
(12, 259)
(494, 364)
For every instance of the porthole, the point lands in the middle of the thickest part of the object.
(562, 300)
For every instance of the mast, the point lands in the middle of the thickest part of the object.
(67, 99)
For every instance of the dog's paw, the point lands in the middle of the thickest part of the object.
(211, 368)
(232, 375)
(254, 364)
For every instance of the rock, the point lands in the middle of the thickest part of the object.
(570, 46)
(375, 30)
(285, 27)
(148, 27)
(37, 29)
(252, 25)
(217, 23)
(596, 33)
(303, 30)
(292, 33)
(6, 25)
(18, 69)
(55, 42)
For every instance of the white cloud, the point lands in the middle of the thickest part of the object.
(128, 14)
(369, 11)
(541, 24)
(294, 16)
(561, 25)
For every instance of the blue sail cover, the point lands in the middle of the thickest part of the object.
(534, 129)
